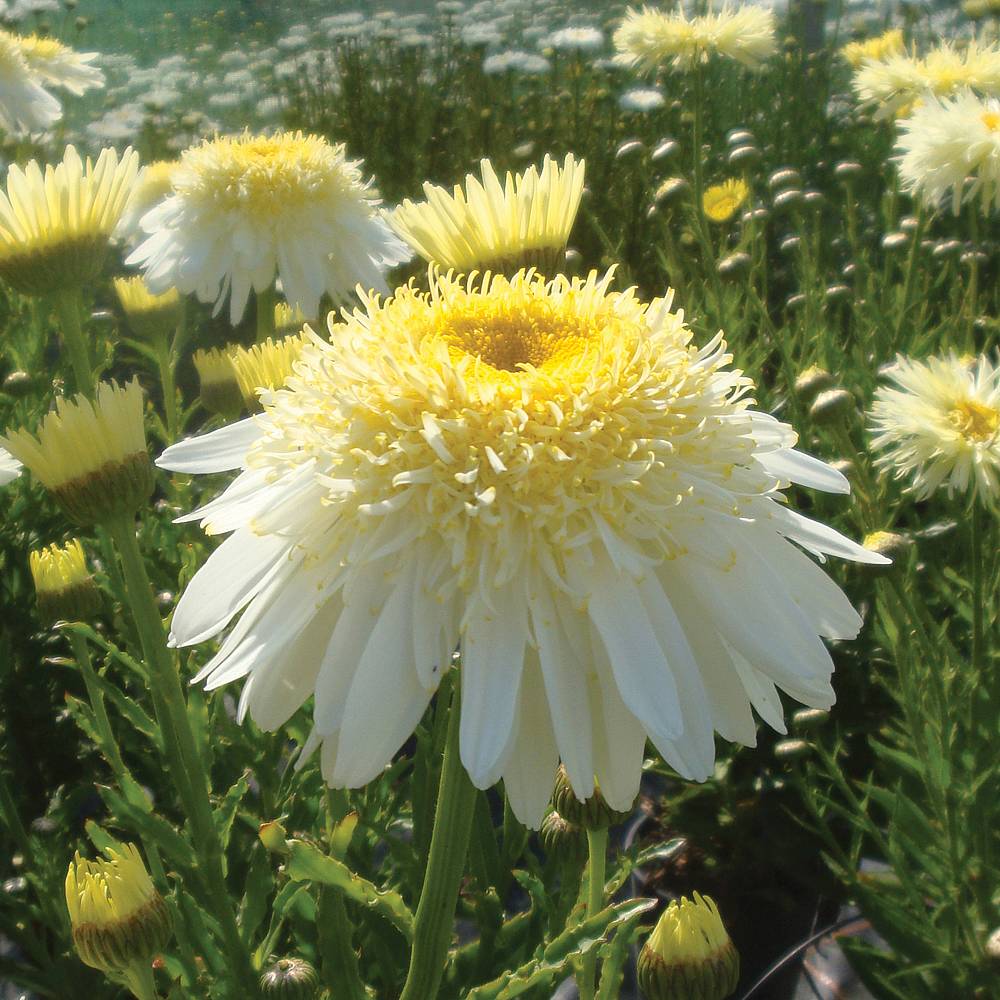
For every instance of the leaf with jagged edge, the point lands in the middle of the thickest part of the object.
(558, 956)
(306, 863)
(613, 957)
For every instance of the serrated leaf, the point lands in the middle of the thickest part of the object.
(259, 883)
(307, 864)
(614, 955)
(173, 845)
(557, 957)
(225, 812)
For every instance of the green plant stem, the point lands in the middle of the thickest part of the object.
(597, 851)
(445, 863)
(140, 982)
(973, 296)
(909, 275)
(69, 306)
(184, 760)
(165, 363)
(978, 611)
(265, 314)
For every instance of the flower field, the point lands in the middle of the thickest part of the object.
(501, 500)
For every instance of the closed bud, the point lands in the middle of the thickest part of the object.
(219, 384)
(734, 265)
(791, 749)
(671, 189)
(150, 317)
(743, 156)
(64, 588)
(665, 148)
(689, 955)
(592, 814)
(890, 544)
(18, 384)
(562, 838)
(784, 178)
(835, 406)
(992, 948)
(290, 979)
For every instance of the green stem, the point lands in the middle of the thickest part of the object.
(597, 850)
(445, 863)
(978, 630)
(973, 296)
(140, 982)
(69, 306)
(184, 760)
(265, 314)
(909, 275)
(165, 363)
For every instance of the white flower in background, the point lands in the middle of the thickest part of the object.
(10, 467)
(642, 99)
(60, 66)
(576, 39)
(247, 209)
(945, 142)
(548, 475)
(25, 105)
(517, 61)
(939, 424)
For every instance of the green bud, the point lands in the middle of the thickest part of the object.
(594, 814)
(290, 979)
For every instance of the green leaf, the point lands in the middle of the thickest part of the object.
(225, 812)
(259, 884)
(557, 957)
(306, 863)
(149, 825)
(613, 955)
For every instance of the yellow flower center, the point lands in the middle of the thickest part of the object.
(975, 421)
(37, 47)
(513, 339)
(991, 119)
(264, 175)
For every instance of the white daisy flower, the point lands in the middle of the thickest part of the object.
(60, 66)
(939, 424)
(246, 209)
(548, 475)
(25, 105)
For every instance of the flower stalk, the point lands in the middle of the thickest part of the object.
(69, 309)
(597, 850)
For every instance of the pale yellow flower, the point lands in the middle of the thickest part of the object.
(722, 201)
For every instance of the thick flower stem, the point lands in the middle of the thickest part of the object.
(597, 850)
(445, 864)
(69, 305)
(140, 982)
(185, 762)
(265, 314)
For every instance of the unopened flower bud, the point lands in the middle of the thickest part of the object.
(734, 265)
(833, 406)
(992, 948)
(670, 190)
(18, 383)
(220, 388)
(592, 814)
(665, 148)
(91, 454)
(290, 979)
(890, 544)
(808, 718)
(560, 837)
(785, 178)
(689, 955)
(118, 919)
(150, 317)
(64, 588)
(791, 749)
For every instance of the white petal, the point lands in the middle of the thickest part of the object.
(218, 451)
(820, 538)
(229, 578)
(797, 467)
(492, 658)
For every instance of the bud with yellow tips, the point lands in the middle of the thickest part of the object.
(150, 317)
(689, 955)
(220, 388)
(265, 366)
(119, 921)
(64, 588)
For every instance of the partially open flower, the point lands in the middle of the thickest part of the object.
(119, 921)
(55, 228)
(524, 221)
(879, 48)
(721, 201)
(64, 587)
(91, 454)
(264, 367)
(25, 105)
(151, 317)
(689, 955)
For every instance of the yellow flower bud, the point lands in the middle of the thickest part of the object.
(64, 588)
(220, 387)
(119, 921)
(265, 366)
(150, 317)
(689, 955)
(91, 454)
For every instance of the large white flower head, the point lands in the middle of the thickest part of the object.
(944, 143)
(548, 475)
(939, 424)
(649, 39)
(245, 209)
(25, 104)
(893, 83)
(60, 66)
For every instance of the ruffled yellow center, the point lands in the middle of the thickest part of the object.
(44, 49)
(975, 421)
(264, 175)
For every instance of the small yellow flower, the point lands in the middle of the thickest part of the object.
(265, 366)
(150, 316)
(55, 228)
(119, 921)
(721, 201)
(63, 585)
(220, 387)
(689, 955)
(90, 454)
(524, 221)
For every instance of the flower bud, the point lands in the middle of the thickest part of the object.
(890, 544)
(220, 388)
(785, 178)
(689, 955)
(811, 382)
(64, 589)
(593, 814)
(290, 979)
(150, 317)
(562, 838)
(734, 265)
(118, 919)
(671, 189)
(265, 366)
(835, 406)
(91, 454)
